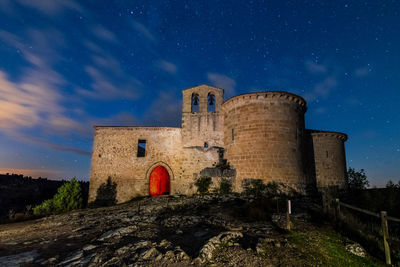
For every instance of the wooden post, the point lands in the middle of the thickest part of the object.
(324, 204)
(337, 210)
(288, 211)
(385, 233)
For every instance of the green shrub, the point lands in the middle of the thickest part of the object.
(68, 197)
(254, 187)
(272, 189)
(225, 187)
(45, 208)
(203, 184)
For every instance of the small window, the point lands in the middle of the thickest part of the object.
(141, 151)
(211, 103)
(195, 103)
(233, 134)
(205, 144)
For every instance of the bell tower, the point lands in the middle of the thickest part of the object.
(202, 120)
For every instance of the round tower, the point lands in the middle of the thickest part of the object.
(263, 137)
(329, 158)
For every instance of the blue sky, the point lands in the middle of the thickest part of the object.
(68, 65)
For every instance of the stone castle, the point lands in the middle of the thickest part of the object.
(250, 136)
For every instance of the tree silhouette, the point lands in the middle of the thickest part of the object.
(357, 180)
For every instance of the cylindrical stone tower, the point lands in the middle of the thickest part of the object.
(263, 137)
(329, 158)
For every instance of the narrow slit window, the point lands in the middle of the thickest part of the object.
(233, 134)
(327, 154)
(141, 151)
(195, 103)
(211, 103)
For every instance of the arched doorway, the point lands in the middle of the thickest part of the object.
(159, 182)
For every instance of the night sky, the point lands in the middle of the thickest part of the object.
(68, 65)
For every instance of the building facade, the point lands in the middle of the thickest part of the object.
(251, 136)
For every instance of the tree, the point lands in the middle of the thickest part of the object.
(357, 180)
(390, 184)
(68, 197)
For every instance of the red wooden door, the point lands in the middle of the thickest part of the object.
(159, 182)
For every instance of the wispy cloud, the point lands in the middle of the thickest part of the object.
(51, 7)
(31, 103)
(25, 105)
(107, 62)
(52, 145)
(94, 48)
(7, 6)
(34, 99)
(165, 111)
(109, 80)
(46, 42)
(222, 81)
(14, 112)
(362, 71)
(104, 88)
(104, 34)
(325, 82)
(167, 66)
(320, 110)
(314, 67)
(322, 89)
(39, 102)
(143, 31)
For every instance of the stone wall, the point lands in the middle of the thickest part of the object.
(329, 158)
(115, 155)
(263, 137)
(262, 134)
(203, 126)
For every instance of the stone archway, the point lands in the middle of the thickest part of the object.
(159, 181)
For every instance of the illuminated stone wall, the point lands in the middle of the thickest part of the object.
(263, 136)
(329, 158)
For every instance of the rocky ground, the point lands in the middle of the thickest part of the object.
(174, 231)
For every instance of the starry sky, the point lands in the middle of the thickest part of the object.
(67, 65)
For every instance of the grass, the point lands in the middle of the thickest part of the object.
(309, 244)
(321, 246)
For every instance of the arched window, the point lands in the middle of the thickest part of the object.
(211, 103)
(195, 103)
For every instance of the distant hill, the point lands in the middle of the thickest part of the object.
(18, 192)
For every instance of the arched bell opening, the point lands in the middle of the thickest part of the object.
(195, 103)
(210, 102)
